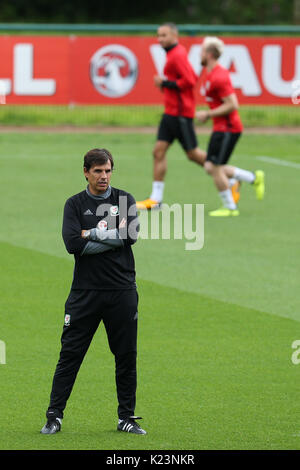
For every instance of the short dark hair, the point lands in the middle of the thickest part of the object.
(97, 157)
(171, 25)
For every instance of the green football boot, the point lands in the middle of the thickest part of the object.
(224, 212)
(259, 184)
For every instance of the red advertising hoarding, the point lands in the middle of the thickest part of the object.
(120, 70)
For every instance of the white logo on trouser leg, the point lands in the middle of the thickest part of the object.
(2, 353)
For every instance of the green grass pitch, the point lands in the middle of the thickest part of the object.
(216, 326)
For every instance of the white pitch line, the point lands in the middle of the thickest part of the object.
(277, 161)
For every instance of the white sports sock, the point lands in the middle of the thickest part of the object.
(157, 191)
(244, 175)
(227, 199)
(232, 182)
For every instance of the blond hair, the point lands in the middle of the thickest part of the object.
(214, 45)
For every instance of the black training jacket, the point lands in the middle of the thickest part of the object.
(113, 269)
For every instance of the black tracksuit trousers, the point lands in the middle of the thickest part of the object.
(84, 309)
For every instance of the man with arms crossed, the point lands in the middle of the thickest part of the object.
(99, 226)
(227, 128)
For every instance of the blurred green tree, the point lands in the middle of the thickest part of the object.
(156, 11)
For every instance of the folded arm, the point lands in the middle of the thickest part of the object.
(86, 242)
(93, 248)
(71, 229)
(100, 241)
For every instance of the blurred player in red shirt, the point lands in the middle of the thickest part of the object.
(227, 128)
(178, 85)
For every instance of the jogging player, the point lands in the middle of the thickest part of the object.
(227, 129)
(100, 225)
(177, 121)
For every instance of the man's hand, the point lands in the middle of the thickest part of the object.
(158, 81)
(85, 233)
(202, 116)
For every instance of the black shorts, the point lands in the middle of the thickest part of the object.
(221, 146)
(177, 127)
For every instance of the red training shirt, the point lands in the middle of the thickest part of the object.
(217, 85)
(179, 102)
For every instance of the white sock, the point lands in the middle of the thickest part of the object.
(157, 191)
(232, 182)
(227, 199)
(244, 175)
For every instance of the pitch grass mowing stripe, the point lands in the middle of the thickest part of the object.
(211, 375)
(277, 161)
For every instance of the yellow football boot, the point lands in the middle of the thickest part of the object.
(259, 184)
(224, 212)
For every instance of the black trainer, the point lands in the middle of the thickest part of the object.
(52, 426)
(129, 425)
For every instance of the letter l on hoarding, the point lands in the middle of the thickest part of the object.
(24, 83)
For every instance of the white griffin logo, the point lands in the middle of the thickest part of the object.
(113, 70)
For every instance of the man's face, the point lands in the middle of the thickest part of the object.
(166, 36)
(98, 177)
